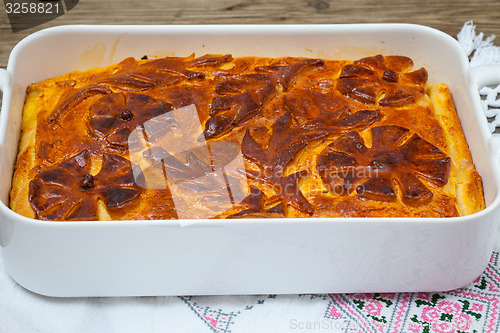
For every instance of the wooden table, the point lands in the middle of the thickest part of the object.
(446, 15)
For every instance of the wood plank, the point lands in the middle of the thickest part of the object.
(445, 15)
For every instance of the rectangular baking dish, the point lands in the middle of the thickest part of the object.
(248, 256)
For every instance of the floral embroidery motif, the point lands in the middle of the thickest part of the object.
(472, 309)
(217, 320)
(373, 305)
(439, 315)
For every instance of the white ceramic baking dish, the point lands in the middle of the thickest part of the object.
(247, 256)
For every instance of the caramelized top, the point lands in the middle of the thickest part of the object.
(67, 190)
(310, 133)
(382, 80)
(396, 158)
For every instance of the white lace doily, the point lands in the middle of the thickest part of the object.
(482, 51)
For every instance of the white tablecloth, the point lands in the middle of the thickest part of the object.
(475, 307)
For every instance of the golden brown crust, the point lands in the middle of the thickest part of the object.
(469, 188)
(319, 138)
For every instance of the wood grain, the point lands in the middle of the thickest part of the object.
(445, 15)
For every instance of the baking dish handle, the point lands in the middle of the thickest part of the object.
(486, 75)
(5, 78)
(483, 76)
(4, 83)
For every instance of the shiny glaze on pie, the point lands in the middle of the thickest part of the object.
(319, 138)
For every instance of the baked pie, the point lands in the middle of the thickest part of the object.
(222, 137)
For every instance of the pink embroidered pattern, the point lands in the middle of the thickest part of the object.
(474, 308)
